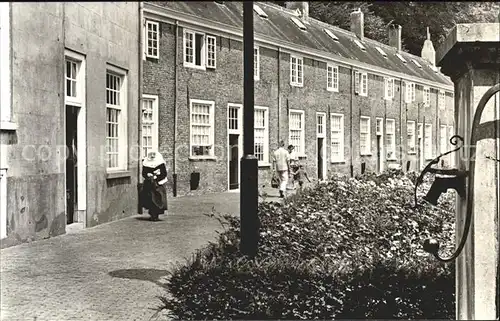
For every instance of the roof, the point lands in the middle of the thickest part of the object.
(279, 25)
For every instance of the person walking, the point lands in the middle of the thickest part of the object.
(293, 166)
(281, 166)
(300, 175)
(154, 192)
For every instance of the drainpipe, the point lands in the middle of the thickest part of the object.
(174, 162)
(350, 112)
(279, 93)
(139, 101)
(401, 126)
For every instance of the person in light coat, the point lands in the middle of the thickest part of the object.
(281, 166)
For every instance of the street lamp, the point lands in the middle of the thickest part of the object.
(249, 164)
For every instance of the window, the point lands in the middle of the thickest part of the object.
(201, 128)
(381, 52)
(401, 58)
(359, 44)
(296, 71)
(361, 83)
(417, 63)
(298, 23)
(261, 138)
(152, 39)
(74, 79)
(428, 141)
(149, 124)
(390, 138)
(389, 88)
(116, 119)
(410, 136)
(332, 78)
(5, 73)
(320, 125)
(331, 34)
(442, 99)
(410, 94)
(427, 96)
(199, 50)
(379, 126)
(443, 144)
(259, 11)
(256, 63)
(337, 137)
(364, 136)
(296, 135)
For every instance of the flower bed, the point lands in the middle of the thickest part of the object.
(351, 248)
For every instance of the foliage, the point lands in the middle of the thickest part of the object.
(349, 248)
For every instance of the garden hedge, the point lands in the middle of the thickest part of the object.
(349, 248)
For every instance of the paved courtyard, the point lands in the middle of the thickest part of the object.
(113, 271)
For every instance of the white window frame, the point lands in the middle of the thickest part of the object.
(332, 78)
(382, 52)
(389, 88)
(428, 141)
(265, 160)
(359, 78)
(79, 60)
(211, 48)
(6, 119)
(392, 147)
(259, 11)
(154, 123)
(410, 94)
(368, 147)
(443, 142)
(297, 76)
(321, 127)
(442, 99)
(380, 121)
(155, 42)
(211, 154)
(411, 137)
(427, 96)
(331, 34)
(298, 23)
(122, 119)
(300, 151)
(204, 50)
(256, 63)
(340, 157)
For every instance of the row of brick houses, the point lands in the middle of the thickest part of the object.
(347, 103)
(88, 88)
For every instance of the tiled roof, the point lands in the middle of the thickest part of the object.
(279, 25)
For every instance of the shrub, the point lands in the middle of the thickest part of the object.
(347, 249)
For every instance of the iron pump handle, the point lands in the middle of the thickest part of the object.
(430, 245)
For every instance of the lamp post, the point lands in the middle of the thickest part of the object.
(249, 163)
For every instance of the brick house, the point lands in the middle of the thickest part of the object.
(346, 102)
(69, 114)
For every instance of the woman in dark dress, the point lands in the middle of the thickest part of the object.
(154, 193)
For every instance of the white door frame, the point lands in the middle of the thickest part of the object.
(382, 140)
(321, 135)
(420, 140)
(239, 132)
(81, 197)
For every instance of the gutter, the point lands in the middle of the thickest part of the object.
(174, 160)
(139, 101)
(353, 79)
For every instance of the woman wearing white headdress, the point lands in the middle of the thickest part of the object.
(154, 194)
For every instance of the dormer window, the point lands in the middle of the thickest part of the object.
(401, 58)
(381, 52)
(331, 34)
(259, 11)
(298, 23)
(360, 45)
(417, 63)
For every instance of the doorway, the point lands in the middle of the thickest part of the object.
(320, 145)
(235, 145)
(420, 142)
(380, 144)
(321, 151)
(379, 153)
(71, 164)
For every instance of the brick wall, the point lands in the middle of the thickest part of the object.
(224, 85)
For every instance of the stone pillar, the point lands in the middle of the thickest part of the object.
(470, 55)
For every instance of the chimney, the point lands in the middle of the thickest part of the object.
(395, 36)
(302, 6)
(428, 52)
(358, 24)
